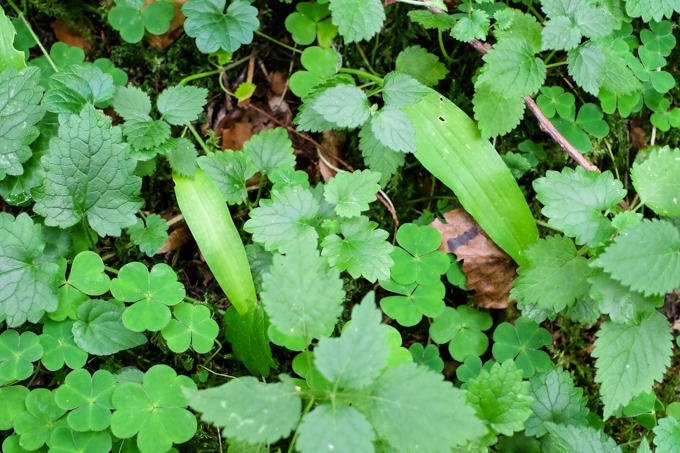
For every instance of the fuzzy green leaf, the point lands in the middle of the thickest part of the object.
(337, 428)
(667, 435)
(630, 358)
(352, 192)
(57, 342)
(401, 90)
(130, 102)
(474, 26)
(652, 9)
(496, 113)
(378, 157)
(623, 305)
(583, 439)
(230, 170)
(512, 69)
(88, 398)
(192, 326)
(560, 33)
(429, 20)
(343, 105)
(181, 105)
(75, 86)
(421, 65)
(656, 180)
(394, 129)
(270, 150)
(150, 237)
(145, 133)
(182, 158)
(214, 30)
(357, 20)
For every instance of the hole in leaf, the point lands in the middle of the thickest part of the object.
(442, 119)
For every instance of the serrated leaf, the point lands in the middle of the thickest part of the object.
(130, 102)
(652, 9)
(556, 400)
(429, 20)
(574, 200)
(421, 65)
(247, 334)
(29, 284)
(75, 86)
(377, 156)
(474, 26)
(146, 134)
(182, 158)
(584, 439)
(230, 170)
(343, 105)
(496, 114)
(512, 69)
(645, 257)
(192, 326)
(249, 410)
(587, 65)
(270, 150)
(401, 90)
(560, 33)
(302, 295)
(88, 398)
(181, 104)
(216, 30)
(623, 305)
(351, 192)
(525, 28)
(655, 180)
(150, 237)
(554, 276)
(357, 20)
(667, 435)
(394, 129)
(328, 427)
(631, 358)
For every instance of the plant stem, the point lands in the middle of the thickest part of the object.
(441, 46)
(200, 75)
(111, 269)
(305, 412)
(225, 88)
(198, 138)
(549, 57)
(375, 48)
(219, 348)
(86, 227)
(546, 225)
(276, 41)
(535, 13)
(193, 301)
(363, 74)
(418, 200)
(30, 30)
(559, 63)
(363, 57)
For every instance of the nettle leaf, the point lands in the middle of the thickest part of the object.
(65, 440)
(302, 295)
(19, 114)
(76, 86)
(462, 327)
(87, 174)
(419, 260)
(216, 30)
(357, 20)
(401, 90)
(581, 438)
(88, 398)
(474, 26)
(356, 358)
(13, 403)
(413, 302)
(273, 408)
(247, 334)
(554, 276)
(644, 257)
(362, 251)
(421, 65)
(574, 201)
(99, 329)
(428, 356)
(351, 192)
(394, 129)
(154, 410)
(286, 217)
(182, 157)
(57, 342)
(230, 170)
(496, 113)
(561, 33)
(150, 237)
(192, 326)
(512, 69)
(378, 157)
(17, 354)
(38, 422)
(329, 426)
(260, 262)
(500, 397)
(429, 20)
(630, 358)
(655, 180)
(131, 102)
(28, 284)
(667, 435)
(431, 405)
(152, 293)
(621, 303)
(556, 400)
(146, 133)
(180, 105)
(522, 343)
(652, 9)
(270, 150)
(344, 105)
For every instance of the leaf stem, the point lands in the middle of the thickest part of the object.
(86, 227)
(559, 63)
(418, 200)
(363, 74)
(535, 12)
(276, 41)
(547, 59)
(363, 57)
(110, 269)
(547, 225)
(305, 412)
(30, 30)
(198, 138)
(200, 75)
(219, 348)
(193, 301)
(441, 46)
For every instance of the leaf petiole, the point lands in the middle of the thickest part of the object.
(276, 41)
(363, 74)
(30, 30)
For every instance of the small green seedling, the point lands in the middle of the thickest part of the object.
(418, 261)
(351, 192)
(17, 354)
(462, 327)
(88, 398)
(192, 326)
(57, 342)
(311, 20)
(413, 302)
(131, 17)
(522, 342)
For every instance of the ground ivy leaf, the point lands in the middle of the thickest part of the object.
(270, 150)
(623, 305)
(99, 329)
(215, 30)
(337, 428)
(568, 438)
(496, 113)
(13, 403)
(192, 326)
(351, 192)
(357, 357)
(554, 277)
(87, 174)
(19, 114)
(645, 257)
(302, 295)
(88, 398)
(150, 237)
(378, 157)
(438, 416)
(17, 354)
(28, 284)
(154, 410)
(247, 335)
(512, 69)
(75, 86)
(522, 343)
(357, 19)
(57, 342)
(667, 435)
(343, 105)
(474, 26)
(273, 408)
(394, 129)
(362, 251)
(284, 218)
(402, 90)
(556, 400)
(42, 417)
(181, 104)
(462, 327)
(182, 158)
(421, 65)
(656, 180)
(574, 201)
(652, 9)
(65, 440)
(130, 102)
(230, 170)
(630, 358)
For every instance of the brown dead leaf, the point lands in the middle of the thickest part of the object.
(489, 270)
(71, 37)
(637, 137)
(277, 83)
(163, 41)
(234, 136)
(332, 143)
(176, 239)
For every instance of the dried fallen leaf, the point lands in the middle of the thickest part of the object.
(176, 239)
(236, 135)
(71, 37)
(489, 270)
(163, 41)
(332, 142)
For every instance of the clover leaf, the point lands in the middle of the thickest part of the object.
(660, 39)
(215, 30)
(65, 440)
(59, 346)
(87, 274)
(131, 17)
(319, 63)
(154, 410)
(554, 100)
(589, 119)
(192, 326)
(17, 354)
(152, 293)
(418, 261)
(428, 356)
(310, 20)
(522, 342)
(41, 418)
(88, 398)
(471, 368)
(398, 354)
(463, 327)
(13, 403)
(413, 302)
